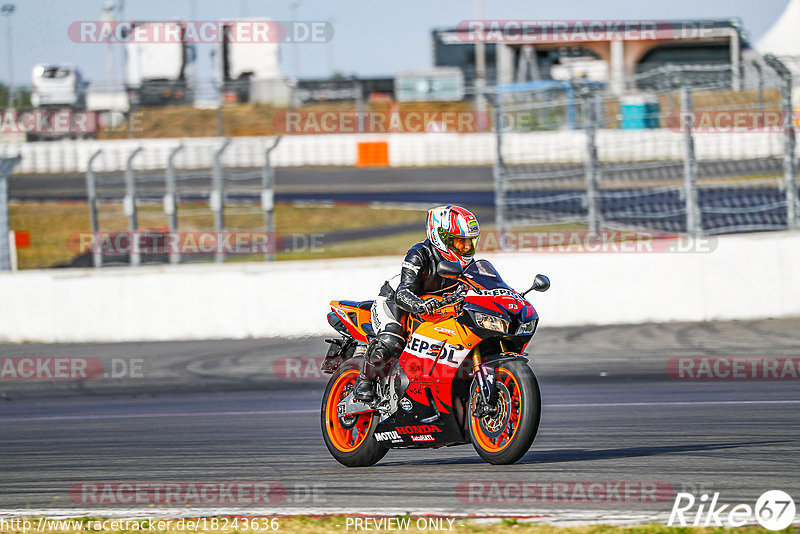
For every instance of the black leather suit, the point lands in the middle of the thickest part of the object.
(418, 276)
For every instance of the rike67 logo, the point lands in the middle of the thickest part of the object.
(774, 510)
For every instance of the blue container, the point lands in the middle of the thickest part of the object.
(639, 113)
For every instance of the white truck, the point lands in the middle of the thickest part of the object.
(58, 86)
(58, 94)
(158, 70)
(248, 70)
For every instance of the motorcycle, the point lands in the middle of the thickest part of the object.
(462, 377)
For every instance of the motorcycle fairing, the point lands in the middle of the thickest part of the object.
(432, 360)
(357, 321)
(503, 303)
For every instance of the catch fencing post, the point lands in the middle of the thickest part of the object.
(590, 103)
(217, 201)
(757, 66)
(498, 170)
(91, 193)
(358, 89)
(789, 141)
(6, 166)
(268, 201)
(171, 203)
(129, 207)
(693, 225)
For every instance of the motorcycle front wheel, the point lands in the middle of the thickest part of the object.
(349, 438)
(506, 435)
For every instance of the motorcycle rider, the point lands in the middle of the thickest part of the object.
(453, 234)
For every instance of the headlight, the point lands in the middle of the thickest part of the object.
(491, 322)
(527, 328)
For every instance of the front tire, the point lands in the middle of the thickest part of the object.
(506, 436)
(349, 439)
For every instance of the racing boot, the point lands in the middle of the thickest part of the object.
(364, 390)
(377, 362)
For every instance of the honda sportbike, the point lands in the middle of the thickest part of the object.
(462, 378)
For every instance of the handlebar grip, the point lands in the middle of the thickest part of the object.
(453, 297)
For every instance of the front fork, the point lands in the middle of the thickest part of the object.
(484, 403)
(485, 376)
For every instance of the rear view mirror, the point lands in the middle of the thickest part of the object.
(541, 284)
(449, 269)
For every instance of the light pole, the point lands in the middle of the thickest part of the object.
(295, 52)
(6, 11)
(331, 51)
(480, 73)
(108, 16)
(112, 13)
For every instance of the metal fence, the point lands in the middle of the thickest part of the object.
(6, 249)
(152, 217)
(683, 152)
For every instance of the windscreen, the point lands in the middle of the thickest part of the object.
(55, 72)
(482, 272)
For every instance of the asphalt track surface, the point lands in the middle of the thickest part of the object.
(474, 185)
(291, 183)
(469, 185)
(215, 411)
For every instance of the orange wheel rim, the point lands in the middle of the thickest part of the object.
(509, 405)
(346, 433)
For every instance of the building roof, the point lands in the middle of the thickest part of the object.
(782, 39)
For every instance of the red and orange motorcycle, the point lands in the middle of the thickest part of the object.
(463, 376)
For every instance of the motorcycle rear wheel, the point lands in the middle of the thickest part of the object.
(349, 439)
(506, 436)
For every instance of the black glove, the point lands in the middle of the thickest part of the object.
(458, 296)
(426, 306)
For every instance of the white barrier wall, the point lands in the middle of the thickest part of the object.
(405, 149)
(73, 156)
(745, 277)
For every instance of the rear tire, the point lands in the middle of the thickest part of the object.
(507, 436)
(349, 439)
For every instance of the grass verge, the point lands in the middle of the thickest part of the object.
(53, 225)
(54, 229)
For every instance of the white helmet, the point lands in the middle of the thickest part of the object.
(454, 231)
